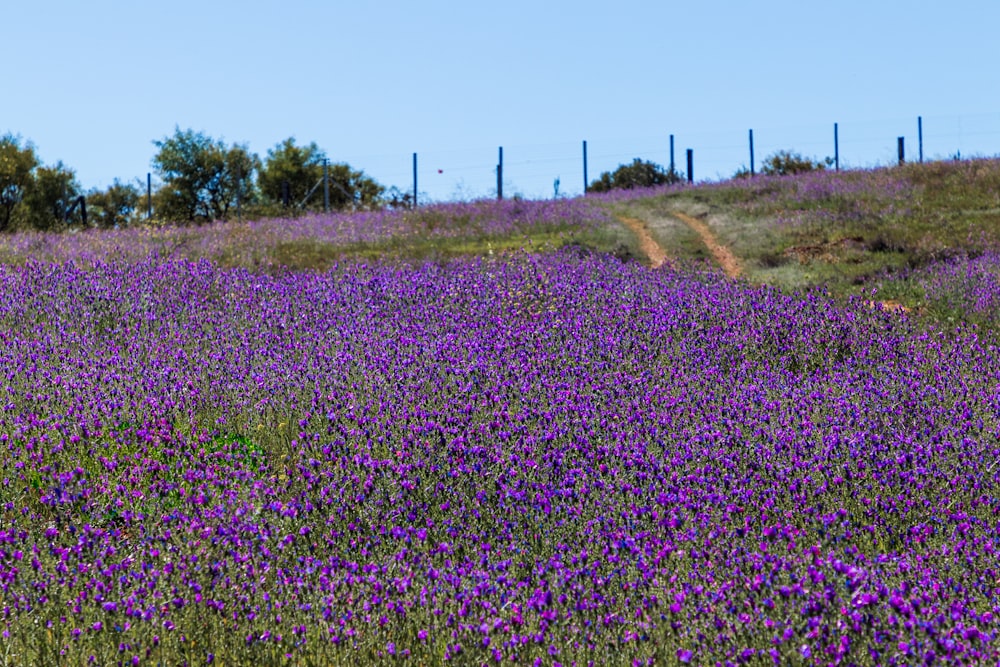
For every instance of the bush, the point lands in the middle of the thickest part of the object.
(784, 163)
(639, 174)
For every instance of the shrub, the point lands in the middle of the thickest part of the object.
(638, 174)
(784, 163)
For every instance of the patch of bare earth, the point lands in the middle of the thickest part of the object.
(890, 306)
(653, 250)
(722, 254)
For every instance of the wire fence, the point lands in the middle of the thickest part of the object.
(557, 169)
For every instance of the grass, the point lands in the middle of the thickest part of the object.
(315, 255)
(397, 425)
(845, 231)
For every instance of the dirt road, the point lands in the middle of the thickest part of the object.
(658, 256)
(654, 251)
(723, 255)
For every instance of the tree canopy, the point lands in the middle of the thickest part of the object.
(17, 166)
(53, 190)
(202, 177)
(114, 207)
(291, 173)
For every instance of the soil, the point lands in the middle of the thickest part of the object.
(653, 250)
(723, 255)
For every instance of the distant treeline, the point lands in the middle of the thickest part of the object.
(199, 179)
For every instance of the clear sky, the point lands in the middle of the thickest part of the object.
(94, 83)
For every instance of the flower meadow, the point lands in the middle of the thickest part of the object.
(554, 459)
(962, 286)
(254, 242)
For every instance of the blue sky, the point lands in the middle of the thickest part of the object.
(94, 83)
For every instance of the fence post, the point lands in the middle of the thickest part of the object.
(899, 149)
(836, 148)
(500, 175)
(326, 185)
(239, 192)
(149, 196)
(690, 160)
(414, 180)
(751, 154)
(672, 166)
(585, 167)
(920, 138)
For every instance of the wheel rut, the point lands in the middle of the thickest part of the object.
(658, 256)
(653, 250)
(722, 254)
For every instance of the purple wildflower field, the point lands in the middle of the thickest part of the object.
(247, 243)
(552, 459)
(963, 285)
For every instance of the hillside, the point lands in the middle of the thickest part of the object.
(923, 235)
(490, 433)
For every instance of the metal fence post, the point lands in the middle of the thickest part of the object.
(500, 175)
(920, 138)
(836, 148)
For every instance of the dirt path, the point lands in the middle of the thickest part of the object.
(657, 256)
(726, 259)
(723, 255)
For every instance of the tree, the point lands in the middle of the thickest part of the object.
(52, 191)
(115, 206)
(784, 163)
(17, 165)
(351, 188)
(638, 174)
(291, 172)
(202, 176)
(301, 168)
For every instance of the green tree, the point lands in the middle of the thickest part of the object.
(115, 206)
(350, 188)
(202, 177)
(300, 167)
(52, 191)
(17, 164)
(638, 174)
